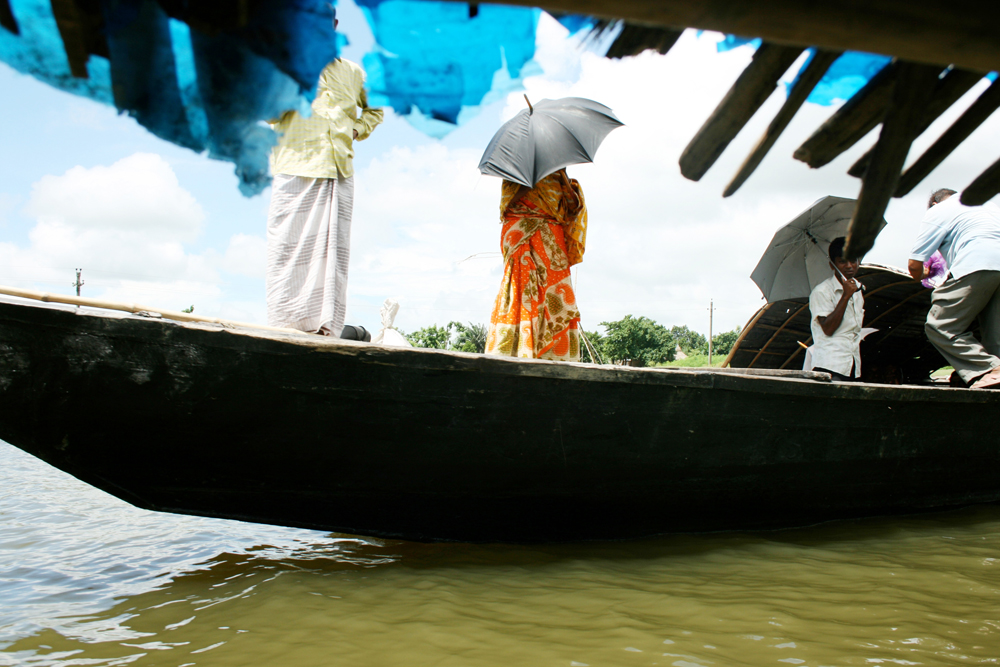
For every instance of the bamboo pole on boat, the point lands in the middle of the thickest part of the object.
(966, 124)
(814, 71)
(134, 308)
(851, 122)
(914, 86)
(752, 88)
(947, 91)
(984, 188)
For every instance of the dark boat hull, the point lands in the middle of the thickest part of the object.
(425, 445)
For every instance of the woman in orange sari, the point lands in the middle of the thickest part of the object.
(543, 235)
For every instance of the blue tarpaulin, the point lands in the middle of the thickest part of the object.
(443, 59)
(207, 90)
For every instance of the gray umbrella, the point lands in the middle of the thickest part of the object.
(796, 260)
(546, 137)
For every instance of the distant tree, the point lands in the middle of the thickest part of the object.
(723, 342)
(189, 309)
(639, 340)
(432, 336)
(596, 340)
(471, 337)
(691, 342)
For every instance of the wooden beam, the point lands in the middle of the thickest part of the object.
(962, 128)
(7, 19)
(754, 85)
(949, 88)
(963, 34)
(812, 75)
(984, 188)
(69, 20)
(634, 39)
(763, 349)
(851, 122)
(914, 86)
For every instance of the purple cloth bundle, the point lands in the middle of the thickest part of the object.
(936, 268)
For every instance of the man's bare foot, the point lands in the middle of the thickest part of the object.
(989, 381)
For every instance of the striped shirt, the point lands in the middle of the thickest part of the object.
(322, 146)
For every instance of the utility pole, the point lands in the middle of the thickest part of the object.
(711, 311)
(79, 283)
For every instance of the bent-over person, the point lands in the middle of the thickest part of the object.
(969, 239)
(312, 198)
(838, 311)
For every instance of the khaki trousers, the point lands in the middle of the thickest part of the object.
(954, 306)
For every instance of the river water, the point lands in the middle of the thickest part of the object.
(86, 579)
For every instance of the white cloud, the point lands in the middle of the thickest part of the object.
(246, 256)
(128, 226)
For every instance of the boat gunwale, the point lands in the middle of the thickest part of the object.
(799, 383)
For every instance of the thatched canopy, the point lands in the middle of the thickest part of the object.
(895, 304)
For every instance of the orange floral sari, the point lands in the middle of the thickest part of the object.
(535, 313)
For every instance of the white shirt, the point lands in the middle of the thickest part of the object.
(968, 236)
(837, 352)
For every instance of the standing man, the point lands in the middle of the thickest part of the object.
(838, 311)
(312, 196)
(969, 239)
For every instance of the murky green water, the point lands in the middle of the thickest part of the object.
(87, 580)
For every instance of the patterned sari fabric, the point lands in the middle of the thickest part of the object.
(535, 313)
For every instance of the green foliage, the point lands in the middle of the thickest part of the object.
(691, 342)
(696, 361)
(470, 338)
(723, 343)
(639, 340)
(432, 336)
(189, 309)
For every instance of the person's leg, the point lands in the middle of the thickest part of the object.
(339, 257)
(954, 306)
(288, 221)
(989, 322)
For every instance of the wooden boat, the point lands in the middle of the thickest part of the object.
(305, 431)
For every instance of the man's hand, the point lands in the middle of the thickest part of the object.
(355, 135)
(850, 287)
(917, 269)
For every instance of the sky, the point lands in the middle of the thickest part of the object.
(152, 223)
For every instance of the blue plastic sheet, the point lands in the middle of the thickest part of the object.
(847, 75)
(439, 61)
(207, 91)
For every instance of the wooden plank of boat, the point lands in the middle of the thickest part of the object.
(305, 431)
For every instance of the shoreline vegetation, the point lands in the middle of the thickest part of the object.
(632, 341)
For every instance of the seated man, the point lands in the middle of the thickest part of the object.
(969, 239)
(838, 310)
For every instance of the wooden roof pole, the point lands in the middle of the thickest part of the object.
(817, 67)
(851, 122)
(634, 39)
(950, 87)
(775, 334)
(984, 188)
(964, 33)
(71, 24)
(966, 124)
(7, 19)
(754, 85)
(914, 86)
(743, 333)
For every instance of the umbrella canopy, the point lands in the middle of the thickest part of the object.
(546, 137)
(796, 260)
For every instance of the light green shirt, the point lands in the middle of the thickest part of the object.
(322, 146)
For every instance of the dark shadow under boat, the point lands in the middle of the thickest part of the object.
(428, 445)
